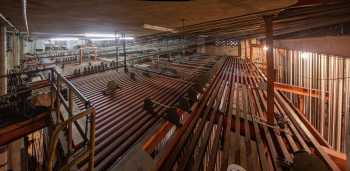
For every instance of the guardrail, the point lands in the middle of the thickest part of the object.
(57, 81)
(61, 104)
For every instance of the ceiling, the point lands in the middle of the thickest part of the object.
(108, 16)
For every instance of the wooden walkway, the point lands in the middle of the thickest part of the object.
(228, 126)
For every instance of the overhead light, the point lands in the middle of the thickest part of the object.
(265, 48)
(103, 39)
(126, 38)
(64, 39)
(159, 28)
(109, 39)
(305, 55)
(101, 35)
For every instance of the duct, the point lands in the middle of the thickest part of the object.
(8, 22)
(24, 5)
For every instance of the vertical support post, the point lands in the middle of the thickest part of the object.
(270, 68)
(3, 60)
(250, 51)
(183, 37)
(53, 95)
(239, 49)
(14, 154)
(18, 50)
(58, 105)
(95, 53)
(21, 54)
(245, 49)
(301, 100)
(116, 51)
(4, 157)
(124, 51)
(70, 113)
(92, 140)
(81, 55)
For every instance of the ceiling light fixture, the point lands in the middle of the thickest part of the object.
(265, 48)
(159, 28)
(126, 38)
(103, 39)
(97, 35)
(305, 55)
(64, 39)
(110, 39)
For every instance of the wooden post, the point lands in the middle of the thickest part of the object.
(245, 49)
(250, 51)
(239, 49)
(301, 100)
(70, 113)
(92, 140)
(270, 68)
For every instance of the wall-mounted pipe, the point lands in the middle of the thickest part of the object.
(8, 22)
(24, 7)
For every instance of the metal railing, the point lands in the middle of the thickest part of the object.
(57, 81)
(60, 105)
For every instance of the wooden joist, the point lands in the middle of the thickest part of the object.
(120, 119)
(338, 157)
(299, 90)
(240, 125)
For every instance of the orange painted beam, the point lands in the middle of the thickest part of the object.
(337, 157)
(19, 129)
(156, 138)
(299, 90)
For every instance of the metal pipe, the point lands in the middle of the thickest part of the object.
(24, 7)
(8, 22)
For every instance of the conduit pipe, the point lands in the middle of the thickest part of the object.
(24, 7)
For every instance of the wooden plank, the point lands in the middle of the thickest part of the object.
(247, 141)
(227, 136)
(337, 157)
(259, 141)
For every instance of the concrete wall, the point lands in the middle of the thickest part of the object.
(334, 45)
(218, 50)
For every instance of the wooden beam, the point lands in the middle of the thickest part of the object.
(256, 46)
(270, 68)
(299, 90)
(157, 137)
(337, 157)
(20, 129)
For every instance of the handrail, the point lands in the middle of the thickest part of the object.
(56, 80)
(61, 126)
(71, 86)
